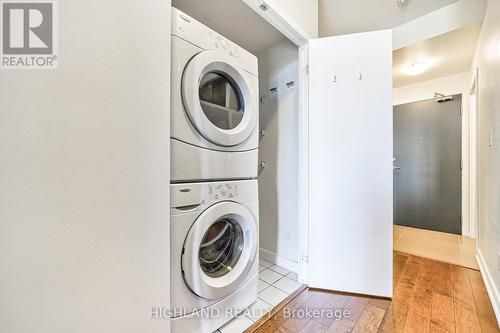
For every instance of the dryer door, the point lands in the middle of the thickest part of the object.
(218, 98)
(219, 250)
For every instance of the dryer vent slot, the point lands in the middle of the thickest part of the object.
(188, 207)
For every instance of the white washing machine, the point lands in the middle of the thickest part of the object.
(214, 105)
(214, 253)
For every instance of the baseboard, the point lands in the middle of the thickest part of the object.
(277, 260)
(490, 285)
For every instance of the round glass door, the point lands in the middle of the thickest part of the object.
(220, 98)
(220, 250)
(221, 247)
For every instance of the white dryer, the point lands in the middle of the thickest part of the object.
(214, 253)
(214, 105)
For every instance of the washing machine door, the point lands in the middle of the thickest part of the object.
(218, 98)
(219, 250)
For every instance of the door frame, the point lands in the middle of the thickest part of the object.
(278, 18)
(473, 122)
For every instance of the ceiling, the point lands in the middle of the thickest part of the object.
(253, 33)
(338, 17)
(447, 54)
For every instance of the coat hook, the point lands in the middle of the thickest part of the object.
(290, 84)
(360, 76)
(274, 90)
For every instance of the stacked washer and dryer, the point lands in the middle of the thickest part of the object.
(214, 193)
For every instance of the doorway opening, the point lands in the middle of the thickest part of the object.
(428, 173)
(428, 164)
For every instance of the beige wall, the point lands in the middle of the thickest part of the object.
(488, 61)
(84, 175)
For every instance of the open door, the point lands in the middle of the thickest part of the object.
(350, 191)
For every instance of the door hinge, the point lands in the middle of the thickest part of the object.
(461, 110)
(307, 69)
(461, 164)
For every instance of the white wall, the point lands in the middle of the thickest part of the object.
(302, 12)
(446, 19)
(278, 181)
(487, 59)
(84, 175)
(448, 85)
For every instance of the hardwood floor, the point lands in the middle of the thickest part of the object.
(429, 296)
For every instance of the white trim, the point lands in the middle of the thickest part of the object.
(277, 260)
(276, 16)
(303, 199)
(473, 226)
(490, 285)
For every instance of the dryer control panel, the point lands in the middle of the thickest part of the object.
(196, 33)
(219, 42)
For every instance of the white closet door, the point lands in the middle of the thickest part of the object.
(350, 163)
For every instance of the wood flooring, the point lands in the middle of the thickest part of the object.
(429, 296)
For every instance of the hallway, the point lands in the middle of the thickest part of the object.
(440, 246)
(429, 296)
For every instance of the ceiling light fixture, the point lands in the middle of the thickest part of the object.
(416, 68)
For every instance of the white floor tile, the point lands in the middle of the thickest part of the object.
(286, 284)
(279, 269)
(261, 285)
(257, 310)
(261, 268)
(269, 276)
(272, 295)
(237, 325)
(265, 263)
(294, 276)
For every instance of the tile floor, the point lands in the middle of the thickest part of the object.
(440, 246)
(275, 284)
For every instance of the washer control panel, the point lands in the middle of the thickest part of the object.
(188, 197)
(221, 191)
